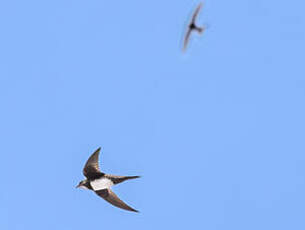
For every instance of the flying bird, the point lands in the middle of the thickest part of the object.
(100, 182)
(193, 27)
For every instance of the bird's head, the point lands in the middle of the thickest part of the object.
(83, 184)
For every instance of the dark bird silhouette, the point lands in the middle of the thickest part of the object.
(193, 27)
(100, 182)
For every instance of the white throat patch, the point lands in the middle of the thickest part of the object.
(83, 187)
(100, 184)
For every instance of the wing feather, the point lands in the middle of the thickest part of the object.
(196, 12)
(91, 169)
(186, 39)
(110, 196)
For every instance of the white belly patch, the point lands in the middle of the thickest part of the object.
(102, 183)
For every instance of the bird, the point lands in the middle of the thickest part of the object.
(100, 182)
(192, 26)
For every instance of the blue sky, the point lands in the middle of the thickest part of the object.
(217, 134)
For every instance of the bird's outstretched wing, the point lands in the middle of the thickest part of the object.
(110, 196)
(196, 12)
(186, 39)
(92, 169)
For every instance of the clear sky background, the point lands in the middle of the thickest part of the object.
(217, 134)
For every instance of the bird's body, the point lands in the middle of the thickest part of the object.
(193, 26)
(101, 183)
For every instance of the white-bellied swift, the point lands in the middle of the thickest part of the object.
(100, 182)
(192, 26)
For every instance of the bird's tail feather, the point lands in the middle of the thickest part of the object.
(200, 29)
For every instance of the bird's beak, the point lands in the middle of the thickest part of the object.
(77, 186)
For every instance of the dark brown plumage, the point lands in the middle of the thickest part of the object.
(192, 26)
(91, 169)
(110, 196)
(100, 182)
